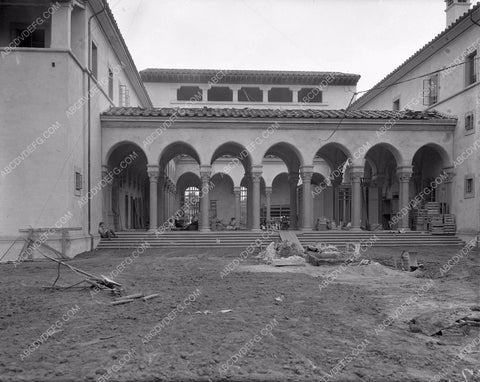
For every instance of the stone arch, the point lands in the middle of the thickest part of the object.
(288, 153)
(238, 154)
(175, 149)
(125, 198)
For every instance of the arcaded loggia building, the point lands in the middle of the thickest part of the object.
(88, 138)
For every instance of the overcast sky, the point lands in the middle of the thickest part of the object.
(366, 37)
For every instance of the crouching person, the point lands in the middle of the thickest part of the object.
(105, 233)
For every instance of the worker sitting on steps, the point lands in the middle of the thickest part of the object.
(105, 233)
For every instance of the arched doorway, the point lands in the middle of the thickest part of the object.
(125, 203)
(287, 155)
(381, 191)
(176, 160)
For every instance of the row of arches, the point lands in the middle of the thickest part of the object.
(280, 189)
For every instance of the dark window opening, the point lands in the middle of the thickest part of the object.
(189, 93)
(35, 39)
(396, 105)
(471, 68)
(469, 186)
(280, 95)
(430, 90)
(94, 63)
(310, 95)
(110, 83)
(250, 94)
(220, 93)
(78, 181)
(469, 121)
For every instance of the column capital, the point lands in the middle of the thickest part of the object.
(404, 173)
(205, 173)
(268, 190)
(256, 173)
(153, 172)
(237, 190)
(356, 173)
(306, 172)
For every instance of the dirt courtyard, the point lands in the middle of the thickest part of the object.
(251, 325)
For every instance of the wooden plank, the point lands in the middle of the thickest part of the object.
(149, 297)
(291, 237)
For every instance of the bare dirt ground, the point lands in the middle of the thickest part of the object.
(281, 326)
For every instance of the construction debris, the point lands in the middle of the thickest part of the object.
(322, 254)
(282, 254)
(101, 282)
(436, 321)
(149, 297)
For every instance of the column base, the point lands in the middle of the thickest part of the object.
(356, 229)
(205, 230)
(255, 230)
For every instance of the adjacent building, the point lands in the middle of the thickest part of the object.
(443, 76)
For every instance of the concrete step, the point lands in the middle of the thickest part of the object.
(242, 239)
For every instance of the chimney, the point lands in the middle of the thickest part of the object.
(456, 9)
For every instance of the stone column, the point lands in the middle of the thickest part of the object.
(248, 181)
(404, 174)
(356, 174)
(293, 181)
(153, 173)
(205, 172)
(236, 191)
(268, 194)
(161, 198)
(105, 197)
(450, 173)
(61, 27)
(307, 200)
(256, 177)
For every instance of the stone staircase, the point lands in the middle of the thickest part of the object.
(242, 239)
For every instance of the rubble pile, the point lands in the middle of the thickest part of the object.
(285, 253)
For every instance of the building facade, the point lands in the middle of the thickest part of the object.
(87, 138)
(443, 76)
(63, 63)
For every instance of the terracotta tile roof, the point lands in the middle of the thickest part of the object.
(366, 97)
(270, 77)
(275, 113)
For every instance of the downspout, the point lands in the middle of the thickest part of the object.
(89, 125)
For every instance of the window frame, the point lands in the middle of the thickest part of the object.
(110, 82)
(469, 117)
(471, 68)
(94, 59)
(430, 99)
(469, 194)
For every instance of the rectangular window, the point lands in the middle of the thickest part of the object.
(124, 96)
(310, 95)
(280, 95)
(469, 122)
(250, 94)
(94, 63)
(35, 39)
(469, 186)
(396, 105)
(189, 93)
(110, 83)
(430, 90)
(471, 69)
(78, 180)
